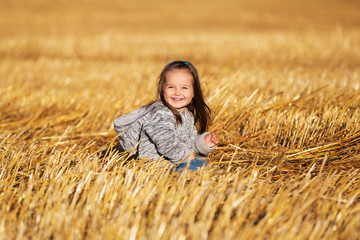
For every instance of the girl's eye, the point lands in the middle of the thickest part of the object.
(185, 88)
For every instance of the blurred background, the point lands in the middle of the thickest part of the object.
(65, 56)
(174, 16)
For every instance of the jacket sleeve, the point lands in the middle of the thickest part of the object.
(200, 145)
(160, 128)
(198, 142)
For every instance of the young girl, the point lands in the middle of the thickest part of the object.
(166, 128)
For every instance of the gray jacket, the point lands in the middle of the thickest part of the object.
(153, 130)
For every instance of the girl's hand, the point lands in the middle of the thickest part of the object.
(211, 140)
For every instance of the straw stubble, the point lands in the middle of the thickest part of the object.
(285, 105)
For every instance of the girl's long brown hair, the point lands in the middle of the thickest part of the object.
(197, 106)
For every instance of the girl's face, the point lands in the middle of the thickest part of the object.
(178, 88)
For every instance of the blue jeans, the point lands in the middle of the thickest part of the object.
(198, 162)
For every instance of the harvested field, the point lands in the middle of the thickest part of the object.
(282, 79)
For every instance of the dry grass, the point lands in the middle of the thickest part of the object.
(282, 79)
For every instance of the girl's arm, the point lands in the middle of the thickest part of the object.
(205, 143)
(160, 127)
(211, 140)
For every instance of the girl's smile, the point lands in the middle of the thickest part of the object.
(178, 89)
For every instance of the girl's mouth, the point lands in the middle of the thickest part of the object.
(177, 99)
